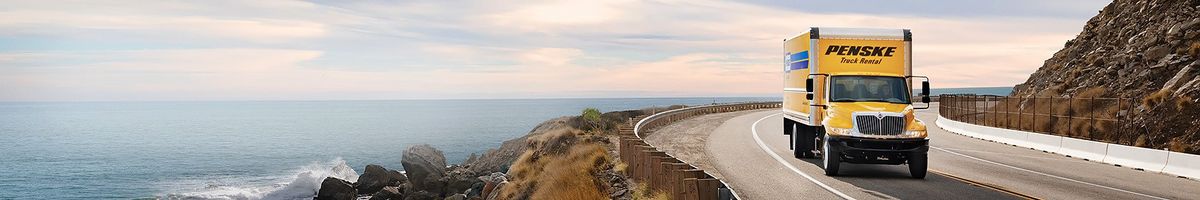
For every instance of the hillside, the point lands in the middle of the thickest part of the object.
(1144, 51)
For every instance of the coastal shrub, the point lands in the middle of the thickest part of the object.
(591, 116)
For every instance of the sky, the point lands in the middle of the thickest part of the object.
(165, 50)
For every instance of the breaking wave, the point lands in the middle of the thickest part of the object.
(303, 185)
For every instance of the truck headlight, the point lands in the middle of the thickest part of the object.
(839, 131)
(913, 133)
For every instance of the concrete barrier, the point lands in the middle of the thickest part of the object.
(1049, 143)
(1085, 149)
(1151, 160)
(1000, 135)
(956, 127)
(1186, 165)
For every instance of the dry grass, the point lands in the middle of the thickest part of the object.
(620, 167)
(558, 165)
(1155, 98)
(642, 192)
(1182, 103)
(1178, 144)
(1194, 50)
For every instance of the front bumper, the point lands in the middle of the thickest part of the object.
(877, 151)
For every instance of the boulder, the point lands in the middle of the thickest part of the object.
(336, 189)
(491, 183)
(388, 193)
(376, 177)
(495, 193)
(1157, 52)
(1181, 77)
(425, 167)
(476, 190)
(459, 179)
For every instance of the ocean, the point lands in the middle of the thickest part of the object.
(251, 149)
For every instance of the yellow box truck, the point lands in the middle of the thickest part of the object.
(848, 98)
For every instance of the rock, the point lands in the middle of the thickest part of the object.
(336, 189)
(426, 167)
(1189, 25)
(1180, 77)
(495, 193)
(460, 179)
(457, 197)
(470, 159)
(491, 182)
(1174, 30)
(618, 193)
(1195, 83)
(476, 189)
(376, 177)
(1157, 52)
(388, 193)
(498, 160)
(420, 195)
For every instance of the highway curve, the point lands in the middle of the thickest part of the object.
(751, 154)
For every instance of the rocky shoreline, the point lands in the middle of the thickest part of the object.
(567, 156)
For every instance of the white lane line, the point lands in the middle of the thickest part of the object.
(1045, 174)
(763, 146)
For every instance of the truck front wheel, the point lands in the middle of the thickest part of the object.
(831, 159)
(918, 163)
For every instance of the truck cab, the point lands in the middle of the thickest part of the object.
(848, 97)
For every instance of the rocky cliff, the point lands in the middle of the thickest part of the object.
(1142, 50)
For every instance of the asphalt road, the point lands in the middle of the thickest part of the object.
(751, 153)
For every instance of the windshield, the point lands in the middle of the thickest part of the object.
(869, 88)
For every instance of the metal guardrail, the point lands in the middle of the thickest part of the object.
(661, 171)
(1047, 115)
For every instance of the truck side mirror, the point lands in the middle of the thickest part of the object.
(925, 91)
(808, 87)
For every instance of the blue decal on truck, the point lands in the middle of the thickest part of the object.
(798, 60)
(798, 65)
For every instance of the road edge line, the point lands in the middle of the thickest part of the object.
(763, 146)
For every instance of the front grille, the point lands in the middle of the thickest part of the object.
(888, 125)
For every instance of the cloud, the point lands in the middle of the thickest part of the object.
(460, 49)
(550, 56)
(557, 13)
(162, 20)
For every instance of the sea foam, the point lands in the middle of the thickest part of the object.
(303, 185)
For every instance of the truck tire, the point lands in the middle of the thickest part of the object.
(830, 159)
(918, 164)
(788, 126)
